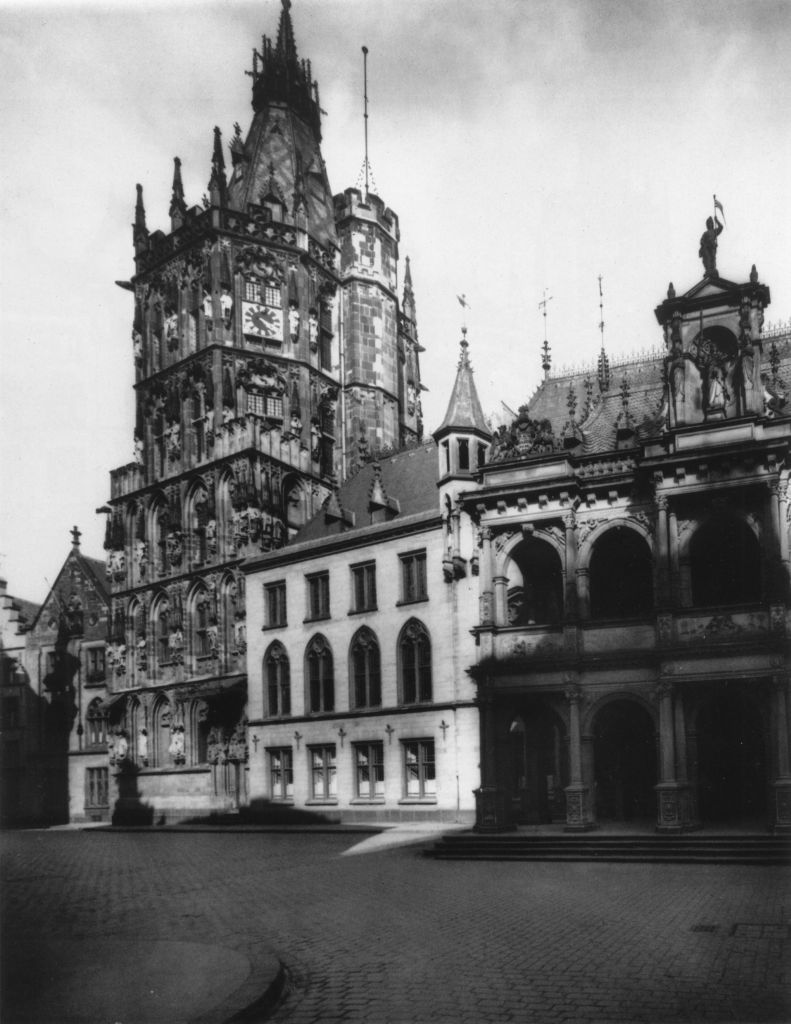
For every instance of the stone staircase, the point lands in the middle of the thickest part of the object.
(696, 848)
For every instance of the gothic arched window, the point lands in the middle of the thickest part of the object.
(160, 625)
(365, 670)
(277, 681)
(320, 695)
(414, 659)
(96, 724)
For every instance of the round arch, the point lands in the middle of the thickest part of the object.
(534, 568)
(724, 557)
(620, 564)
(625, 758)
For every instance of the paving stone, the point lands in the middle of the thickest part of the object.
(393, 937)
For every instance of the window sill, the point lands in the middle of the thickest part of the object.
(363, 611)
(273, 625)
(282, 801)
(317, 618)
(418, 800)
(367, 801)
(414, 600)
(318, 802)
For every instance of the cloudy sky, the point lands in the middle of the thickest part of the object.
(525, 145)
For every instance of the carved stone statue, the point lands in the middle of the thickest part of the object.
(142, 745)
(708, 246)
(716, 393)
(293, 322)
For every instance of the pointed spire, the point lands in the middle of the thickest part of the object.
(236, 145)
(217, 183)
(139, 229)
(285, 33)
(178, 207)
(408, 303)
(464, 409)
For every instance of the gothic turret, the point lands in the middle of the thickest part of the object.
(463, 437)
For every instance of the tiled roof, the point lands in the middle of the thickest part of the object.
(646, 397)
(409, 478)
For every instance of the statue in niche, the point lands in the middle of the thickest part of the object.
(171, 330)
(175, 547)
(141, 556)
(215, 744)
(137, 347)
(142, 745)
(716, 396)
(293, 322)
(208, 308)
(176, 645)
(240, 636)
(708, 246)
(226, 305)
(121, 746)
(411, 398)
(176, 748)
(227, 415)
(313, 330)
(142, 658)
(314, 441)
(139, 450)
(296, 424)
(211, 536)
(173, 441)
(213, 639)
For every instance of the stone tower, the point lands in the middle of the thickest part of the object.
(381, 368)
(254, 386)
(237, 360)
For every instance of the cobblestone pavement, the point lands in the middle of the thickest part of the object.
(390, 936)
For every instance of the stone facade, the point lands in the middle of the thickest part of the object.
(243, 409)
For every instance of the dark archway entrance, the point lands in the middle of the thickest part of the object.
(625, 762)
(537, 766)
(731, 763)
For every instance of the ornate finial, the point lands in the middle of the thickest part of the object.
(588, 385)
(217, 183)
(753, 275)
(603, 371)
(139, 230)
(571, 402)
(546, 361)
(671, 291)
(177, 205)
(774, 361)
(464, 359)
(75, 538)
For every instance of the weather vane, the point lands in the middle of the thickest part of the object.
(465, 306)
(545, 350)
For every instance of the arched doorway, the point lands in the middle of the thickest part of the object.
(537, 766)
(731, 758)
(625, 762)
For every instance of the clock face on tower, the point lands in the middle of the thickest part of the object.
(262, 321)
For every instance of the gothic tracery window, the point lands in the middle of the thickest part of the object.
(414, 651)
(365, 670)
(319, 674)
(277, 680)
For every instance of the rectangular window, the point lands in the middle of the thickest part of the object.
(364, 587)
(275, 603)
(419, 776)
(319, 596)
(255, 404)
(274, 407)
(281, 774)
(370, 761)
(10, 713)
(95, 664)
(97, 787)
(273, 297)
(252, 291)
(413, 577)
(323, 769)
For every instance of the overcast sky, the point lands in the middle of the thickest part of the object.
(523, 145)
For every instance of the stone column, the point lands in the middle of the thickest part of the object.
(490, 803)
(687, 795)
(578, 816)
(583, 593)
(500, 600)
(782, 784)
(570, 596)
(669, 818)
(675, 569)
(663, 575)
(487, 585)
